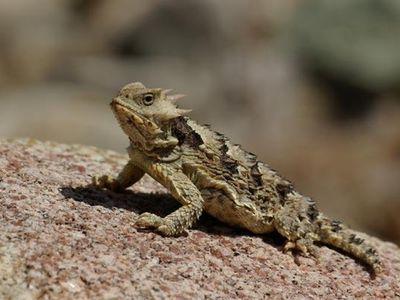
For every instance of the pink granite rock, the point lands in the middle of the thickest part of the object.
(61, 239)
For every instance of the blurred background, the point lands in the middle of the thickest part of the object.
(311, 86)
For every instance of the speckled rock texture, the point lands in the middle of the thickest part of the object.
(62, 239)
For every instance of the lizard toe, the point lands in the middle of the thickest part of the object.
(106, 182)
(304, 246)
(96, 181)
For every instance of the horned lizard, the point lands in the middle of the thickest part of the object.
(205, 171)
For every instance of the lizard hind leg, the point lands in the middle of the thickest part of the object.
(295, 222)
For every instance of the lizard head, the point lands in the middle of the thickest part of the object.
(145, 115)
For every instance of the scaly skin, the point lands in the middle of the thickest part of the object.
(203, 170)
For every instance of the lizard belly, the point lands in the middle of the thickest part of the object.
(221, 207)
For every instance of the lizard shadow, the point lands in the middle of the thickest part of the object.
(163, 204)
(160, 204)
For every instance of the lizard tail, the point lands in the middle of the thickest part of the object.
(336, 234)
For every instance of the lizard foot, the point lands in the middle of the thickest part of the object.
(149, 220)
(304, 246)
(107, 182)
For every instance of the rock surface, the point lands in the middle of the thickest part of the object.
(61, 239)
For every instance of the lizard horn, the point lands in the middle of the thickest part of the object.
(174, 98)
(167, 91)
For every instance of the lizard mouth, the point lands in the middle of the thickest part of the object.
(121, 109)
(130, 119)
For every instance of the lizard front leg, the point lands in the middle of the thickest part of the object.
(184, 191)
(129, 175)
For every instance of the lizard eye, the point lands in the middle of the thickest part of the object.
(148, 99)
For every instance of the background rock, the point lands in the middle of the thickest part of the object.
(61, 239)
